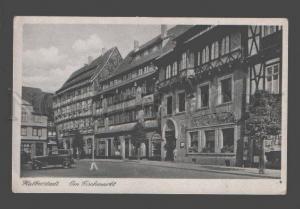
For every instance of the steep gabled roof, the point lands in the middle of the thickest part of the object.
(87, 72)
(129, 62)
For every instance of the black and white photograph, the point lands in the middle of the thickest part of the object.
(150, 105)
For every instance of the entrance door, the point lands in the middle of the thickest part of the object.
(170, 145)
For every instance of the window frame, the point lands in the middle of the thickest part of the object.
(220, 102)
(272, 65)
(199, 98)
(178, 101)
(190, 141)
(167, 99)
(23, 128)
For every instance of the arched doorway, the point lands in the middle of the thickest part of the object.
(170, 137)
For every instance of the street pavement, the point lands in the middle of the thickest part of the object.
(145, 169)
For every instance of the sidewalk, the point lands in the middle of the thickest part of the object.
(269, 173)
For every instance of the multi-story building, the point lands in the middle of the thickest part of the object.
(42, 104)
(125, 102)
(33, 131)
(72, 103)
(205, 84)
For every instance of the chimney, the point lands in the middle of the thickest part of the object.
(163, 29)
(90, 59)
(135, 45)
(103, 50)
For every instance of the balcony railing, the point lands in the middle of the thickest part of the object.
(218, 63)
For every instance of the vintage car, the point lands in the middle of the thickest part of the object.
(55, 157)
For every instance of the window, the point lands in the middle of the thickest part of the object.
(225, 90)
(225, 45)
(168, 72)
(268, 30)
(181, 102)
(39, 149)
(194, 141)
(183, 61)
(215, 50)
(191, 60)
(140, 71)
(203, 100)
(272, 78)
(210, 141)
(174, 69)
(198, 58)
(34, 132)
(23, 131)
(24, 116)
(228, 140)
(205, 54)
(169, 105)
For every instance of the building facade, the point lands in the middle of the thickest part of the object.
(42, 104)
(183, 96)
(206, 82)
(126, 103)
(73, 106)
(33, 132)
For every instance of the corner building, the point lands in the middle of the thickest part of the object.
(205, 86)
(127, 101)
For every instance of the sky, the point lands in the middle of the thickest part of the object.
(51, 52)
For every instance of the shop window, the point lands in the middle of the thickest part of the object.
(194, 141)
(225, 45)
(272, 78)
(215, 50)
(26, 147)
(203, 100)
(24, 116)
(181, 102)
(225, 90)
(210, 142)
(228, 140)
(23, 131)
(169, 105)
(39, 149)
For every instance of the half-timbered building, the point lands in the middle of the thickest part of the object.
(72, 103)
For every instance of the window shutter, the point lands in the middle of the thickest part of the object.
(219, 93)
